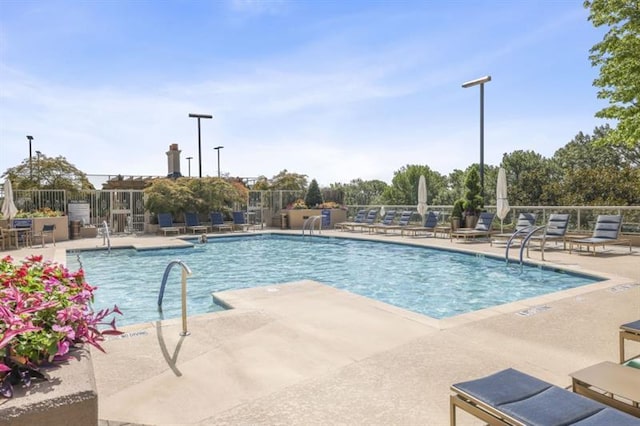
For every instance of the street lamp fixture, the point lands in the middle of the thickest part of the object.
(480, 81)
(189, 163)
(199, 116)
(218, 148)
(30, 138)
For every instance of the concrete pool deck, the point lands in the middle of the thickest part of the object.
(306, 353)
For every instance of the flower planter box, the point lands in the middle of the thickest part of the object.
(296, 218)
(69, 397)
(61, 222)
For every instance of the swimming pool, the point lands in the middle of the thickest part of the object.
(434, 282)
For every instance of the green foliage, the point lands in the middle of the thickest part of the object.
(404, 186)
(528, 175)
(619, 61)
(361, 193)
(289, 181)
(193, 194)
(458, 207)
(473, 202)
(313, 196)
(47, 173)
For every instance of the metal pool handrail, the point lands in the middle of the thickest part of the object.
(105, 235)
(186, 272)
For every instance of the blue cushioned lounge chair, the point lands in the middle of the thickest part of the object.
(217, 222)
(606, 231)
(360, 216)
(428, 226)
(482, 229)
(387, 220)
(510, 397)
(556, 230)
(165, 220)
(193, 223)
(368, 220)
(403, 222)
(239, 222)
(525, 223)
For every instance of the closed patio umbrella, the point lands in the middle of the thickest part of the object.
(422, 196)
(9, 209)
(502, 202)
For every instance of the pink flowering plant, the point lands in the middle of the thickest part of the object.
(45, 310)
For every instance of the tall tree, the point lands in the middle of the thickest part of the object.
(313, 196)
(360, 192)
(289, 181)
(404, 185)
(619, 61)
(47, 173)
(527, 174)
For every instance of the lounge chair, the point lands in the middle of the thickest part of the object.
(217, 222)
(387, 220)
(193, 223)
(607, 231)
(165, 220)
(239, 222)
(360, 216)
(510, 397)
(482, 229)
(556, 230)
(629, 331)
(403, 222)
(47, 230)
(525, 223)
(369, 219)
(428, 226)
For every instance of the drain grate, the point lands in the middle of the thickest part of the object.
(533, 311)
(131, 334)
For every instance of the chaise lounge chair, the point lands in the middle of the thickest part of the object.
(403, 222)
(387, 220)
(239, 222)
(525, 223)
(428, 226)
(368, 220)
(165, 220)
(217, 222)
(193, 223)
(556, 230)
(510, 397)
(360, 216)
(482, 229)
(607, 231)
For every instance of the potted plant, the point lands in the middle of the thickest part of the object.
(473, 202)
(456, 214)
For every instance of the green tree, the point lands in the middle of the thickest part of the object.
(528, 174)
(47, 173)
(289, 181)
(473, 202)
(313, 196)
(404, 185)
(619, 61)
(361, 193)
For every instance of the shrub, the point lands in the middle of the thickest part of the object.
(314, 196)
(44, 311)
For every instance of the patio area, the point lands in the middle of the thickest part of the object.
(307, 353)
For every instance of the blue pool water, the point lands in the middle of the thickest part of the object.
(437, 283)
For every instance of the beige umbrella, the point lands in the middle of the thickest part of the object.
(9, 209)
(502, 202)
(422, 196)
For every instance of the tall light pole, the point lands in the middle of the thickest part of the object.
(189, 163)
(30, 138)
(480, 81)
(199, 116)
(218, 148)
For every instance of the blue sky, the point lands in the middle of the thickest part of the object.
(336, 90)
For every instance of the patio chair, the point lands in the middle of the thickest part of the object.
(525, 222)
(165, 220)
(360, 216)
(217, 222)
(555, 230)
(369, 219)
(193, 223)
(47, 230)
(510, 397)
(23, 231)
(403, 222)
(606, 231)
(387, 220)
(629, 331)
(239, 221)
(482, 229)
(428, 226)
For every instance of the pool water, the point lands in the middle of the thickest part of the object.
(434, 282)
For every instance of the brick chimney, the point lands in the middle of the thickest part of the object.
(173, 160)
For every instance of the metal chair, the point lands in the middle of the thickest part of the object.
(47, 230)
